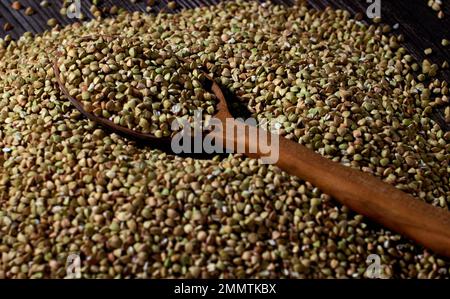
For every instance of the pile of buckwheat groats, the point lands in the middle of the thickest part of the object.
(134, 82)
(347, 90)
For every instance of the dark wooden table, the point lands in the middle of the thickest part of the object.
(417, 22)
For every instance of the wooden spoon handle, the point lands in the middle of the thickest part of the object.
(369, 196)
(361, 192)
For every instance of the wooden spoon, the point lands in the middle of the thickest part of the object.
(361, 192)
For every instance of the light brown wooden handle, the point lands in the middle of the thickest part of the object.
(369, 196)
(361, 192)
